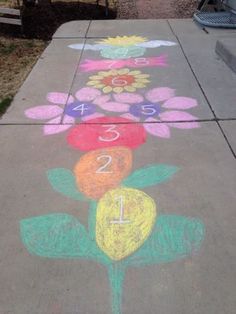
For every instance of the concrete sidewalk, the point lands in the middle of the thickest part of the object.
(118, 174)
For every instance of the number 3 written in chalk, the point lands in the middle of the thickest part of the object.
(111, 134)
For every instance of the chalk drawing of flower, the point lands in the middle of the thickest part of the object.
(159, 107)
(106, 132)
(118, 81)
(125, 227)
(123, 47)
(123, 41)
(61, 119)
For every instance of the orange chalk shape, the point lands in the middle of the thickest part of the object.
(103, 169)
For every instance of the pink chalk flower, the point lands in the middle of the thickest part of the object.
(64, 109)
(158, 106)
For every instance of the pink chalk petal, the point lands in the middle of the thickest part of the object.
(185, 125)
(70, 100)
(53, 127)
(87, 94)
(157, 129)
(93, 116)
(114, 106)
(180, 103)
(176, 116)
(160, 94)
(59, 98)
(68, 120)
(101, 99)
(130, 98)
(129, 116)
(43, 112)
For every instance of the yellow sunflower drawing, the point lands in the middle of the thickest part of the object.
(118, 81)
(123, 41)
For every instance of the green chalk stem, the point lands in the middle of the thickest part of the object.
(116, 274)
(92, 220)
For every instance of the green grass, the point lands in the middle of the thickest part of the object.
(7, 49)
(4, 104)
(29, 44)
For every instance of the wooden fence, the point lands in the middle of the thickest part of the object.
(10, 16)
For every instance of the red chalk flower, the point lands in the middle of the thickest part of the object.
(106, 132)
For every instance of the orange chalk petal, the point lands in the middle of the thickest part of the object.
(103, 169)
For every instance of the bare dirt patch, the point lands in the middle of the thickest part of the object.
(18, 55)
(155, 9)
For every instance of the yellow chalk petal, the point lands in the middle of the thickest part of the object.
(138, 85)
(113, 72)
(142, 75)
(92, 83)
(123, 71)
(96, 77)
(100, 85)
(125, 218)
(118, 90)
(134, 72)
(130, 89)
(107, 89)
(142, 81)
(103, 73)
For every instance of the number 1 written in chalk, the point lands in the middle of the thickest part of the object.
(121, 219)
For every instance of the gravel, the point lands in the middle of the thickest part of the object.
(155, 9)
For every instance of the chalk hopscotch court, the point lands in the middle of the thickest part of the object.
(118, 175)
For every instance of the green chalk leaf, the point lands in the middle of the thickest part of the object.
(63, 181)
(150, 175)
(59, 236)
(173, 238)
